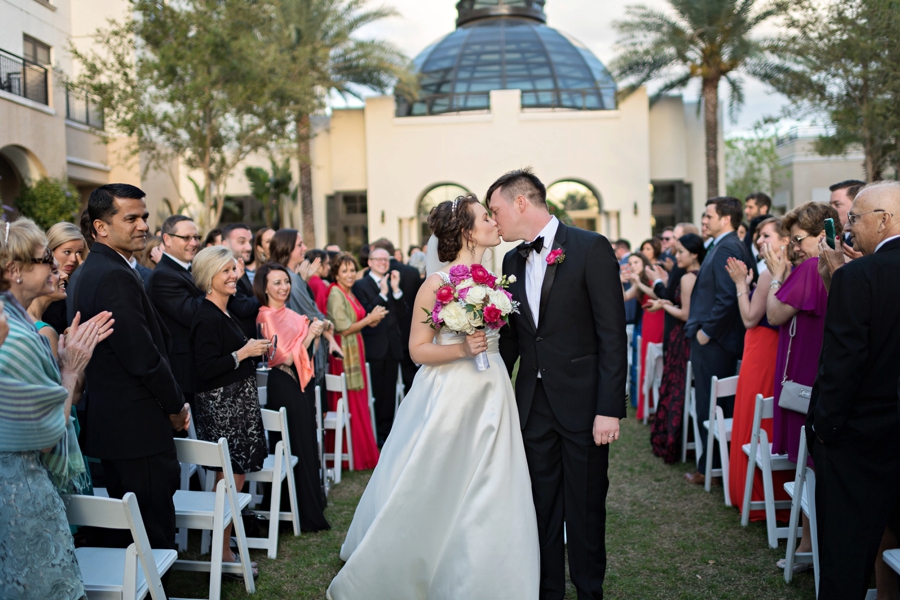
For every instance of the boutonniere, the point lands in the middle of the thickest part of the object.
(556, 257)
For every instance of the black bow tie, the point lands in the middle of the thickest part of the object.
(525, 248)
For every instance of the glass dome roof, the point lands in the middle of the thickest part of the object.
(494, 49)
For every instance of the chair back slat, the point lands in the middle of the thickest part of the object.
(725, 387)
(768, 408)
(333, 383)
(92, 511)
(205, 454)
(271, 419)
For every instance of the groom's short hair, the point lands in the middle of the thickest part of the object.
(521, 182)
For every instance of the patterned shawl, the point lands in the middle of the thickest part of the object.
(341, 311)
(31, 402)
(291, 330)
(301, 302)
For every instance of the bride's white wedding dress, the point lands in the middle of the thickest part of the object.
(448, 513)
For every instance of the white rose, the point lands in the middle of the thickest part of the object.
(474, 321)
(476, 295)
(499, 299)
(511, 279)
(455, 317)
(465, 283)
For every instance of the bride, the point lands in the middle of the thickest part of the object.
(448, 512)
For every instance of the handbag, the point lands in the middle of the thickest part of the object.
(794, 396)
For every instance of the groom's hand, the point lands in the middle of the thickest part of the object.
(606, 429)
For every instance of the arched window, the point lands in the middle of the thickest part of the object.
(576, 204)
(430, 199)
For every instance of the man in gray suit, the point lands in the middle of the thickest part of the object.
(714, 326)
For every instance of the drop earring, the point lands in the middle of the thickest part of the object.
(19, 280)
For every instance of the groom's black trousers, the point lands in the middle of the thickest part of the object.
(569, 484)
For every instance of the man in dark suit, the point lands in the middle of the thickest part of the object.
(569, 338)
(384, 344)
(410, 282)
(715, 327)
(852, 425)
(175, 296)
(134, 400)
(243, 305)
(757, 208)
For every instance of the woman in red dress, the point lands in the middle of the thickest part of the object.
(349, 318)
(757, 374)
(652, 323)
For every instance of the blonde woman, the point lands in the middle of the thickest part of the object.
(69, 249)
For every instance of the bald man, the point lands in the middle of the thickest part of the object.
(852, 427)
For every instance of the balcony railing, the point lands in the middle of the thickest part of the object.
(23, 78)
(83, 108)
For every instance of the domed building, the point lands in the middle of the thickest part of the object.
(502, 91)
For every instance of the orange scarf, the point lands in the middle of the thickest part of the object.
(291, 329)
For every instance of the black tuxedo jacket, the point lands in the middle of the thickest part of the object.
(855, 396)
(245, 307)
(579, 345)
(131, 388)
(410, 282)
(384, 340)
(177, 299)
(714, 304)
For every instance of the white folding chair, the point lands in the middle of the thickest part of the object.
(652, 378)
(114, 572)
(187, 471)
(338, 421)
(803, 497)
(759, 455)
(371, 398)
(213, 511)
(277, 468)
(326, 474)
(719, 428)
(690, 418)
(892, 559)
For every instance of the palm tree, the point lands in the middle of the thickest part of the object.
(709, 40)
(323, 54)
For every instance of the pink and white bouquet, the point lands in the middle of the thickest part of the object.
(474, 299)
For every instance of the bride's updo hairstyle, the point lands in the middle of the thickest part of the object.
(452, 223)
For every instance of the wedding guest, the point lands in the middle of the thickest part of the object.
(316, 281)
(213, 238)
(349, 319)
(742, 230)
(652, 249)
(226, 402)
(714, 326)
(757, 207)
(665, 433)
(148, 257)
(384, 341)
(417, 260)
(622, 249)
(260, 254)
(39, 305)
(288, 250)
(667, 278)
(652, 323)
(133, 400)
(175, 296)
(39, 454)
(69, 249)
(852, 421)
(243, 304)
(667, 239)
(757, 375)
(842, 194)
(797, 306)
(289, 385)
(410, 282)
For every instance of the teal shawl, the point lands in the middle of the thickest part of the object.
(31, 402)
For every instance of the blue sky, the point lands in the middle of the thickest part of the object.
(422, 22)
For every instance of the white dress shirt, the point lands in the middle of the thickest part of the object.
(132, 262)
(186, 266)
(536, 267)
(397, 295)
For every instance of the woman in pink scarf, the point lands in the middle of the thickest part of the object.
(289, 386)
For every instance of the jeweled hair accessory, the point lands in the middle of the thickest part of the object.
(452, 208)
(6, 236)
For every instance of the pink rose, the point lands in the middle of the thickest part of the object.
(555, 256)
(436, 313)
(492, 314)
(480, 274)
(458, 273)
(444, 294)
(508, 294)
(463, 293)
(491, 281)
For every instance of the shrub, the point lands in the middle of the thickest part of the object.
(49, 201)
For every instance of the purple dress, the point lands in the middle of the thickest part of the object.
(804, 291)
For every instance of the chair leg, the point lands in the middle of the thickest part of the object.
(274, 513)
(292, 494)
(793, 524)
(771, 525)
(748, 486)
(710, 440)
(685, 423)
(349, 433)
(698, 447)
(338, 448)
(724, 454)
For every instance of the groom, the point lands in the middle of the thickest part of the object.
(570, 338)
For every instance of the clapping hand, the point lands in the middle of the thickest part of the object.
(656, 305)
(777, 262)
(738, 272)
(76, 345)
(395, 281)
(383, 286)
(657, 272)
(378, 313)
(668, 264)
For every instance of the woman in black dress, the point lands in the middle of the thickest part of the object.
(291, 385)
(226, 403)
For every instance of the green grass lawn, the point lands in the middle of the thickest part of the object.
(665, 539)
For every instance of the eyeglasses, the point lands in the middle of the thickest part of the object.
(186, 238)
(380, 259)
(667, 238)
(798, 238)
(854, 219)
